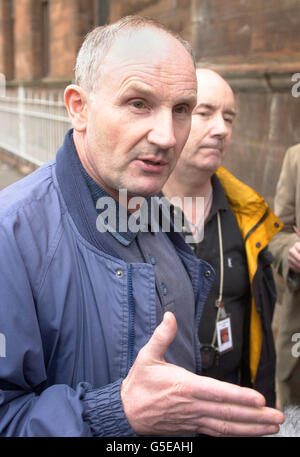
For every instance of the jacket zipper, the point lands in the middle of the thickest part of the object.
(200, 298)
(199, 303)
(131, 320)
(261, 220)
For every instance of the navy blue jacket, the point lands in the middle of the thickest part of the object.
(71, 327)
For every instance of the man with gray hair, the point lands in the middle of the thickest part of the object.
(100, 337)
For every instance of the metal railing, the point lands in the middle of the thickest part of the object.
(32, 126)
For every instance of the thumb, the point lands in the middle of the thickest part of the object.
(162, 337)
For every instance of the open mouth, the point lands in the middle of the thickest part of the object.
(154, 162)
(151, 165)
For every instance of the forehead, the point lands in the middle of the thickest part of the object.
(214, 90)
(149, 55)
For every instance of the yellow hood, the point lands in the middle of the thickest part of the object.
(258, 225)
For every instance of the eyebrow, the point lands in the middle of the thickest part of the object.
(147, 91)
(212, 107)
(141, 88)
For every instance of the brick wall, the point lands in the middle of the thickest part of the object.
(24, 33)
(6, 39)
(23, 47)
(69, 21)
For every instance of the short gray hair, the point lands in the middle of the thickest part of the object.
(98, 42)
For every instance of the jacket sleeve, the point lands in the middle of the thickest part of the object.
(285, 209)
(28, 405)
(264, 292)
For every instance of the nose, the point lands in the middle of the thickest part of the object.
(219, 126)
(162, 131)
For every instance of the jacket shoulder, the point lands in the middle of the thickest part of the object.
(238, 193)
(31, 223)
(292, 158)
(251, 210)
(23, 193)
(294, 151)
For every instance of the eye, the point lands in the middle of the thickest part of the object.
(181, 109)
(138, 104)
(202, 113)
(229, 120)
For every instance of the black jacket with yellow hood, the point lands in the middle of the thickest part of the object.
(258, 225)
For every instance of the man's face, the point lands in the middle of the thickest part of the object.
(211, 124)
(139, 117)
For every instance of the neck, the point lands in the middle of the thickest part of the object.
(188, 185)
(178, 186)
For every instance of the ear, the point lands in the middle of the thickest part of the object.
(76, 103)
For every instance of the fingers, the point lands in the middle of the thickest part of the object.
(294, 257)
(162, 337)
(213, 390)
(161, 398)
(239, 413)
(216, 428)
(294, 265)
(233, 420)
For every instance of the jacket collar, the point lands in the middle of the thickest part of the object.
(249, 207)
(241, 197)
(97, 192)
(219, 201)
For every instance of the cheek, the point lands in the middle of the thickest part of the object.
(105, 138)
(227, 142)
(199, 131)
(183, 135)
(126, 136)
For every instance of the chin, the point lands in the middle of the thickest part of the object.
(211, 165)
(146, 189)
(143, 191)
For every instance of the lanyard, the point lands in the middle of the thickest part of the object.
(198, 226)
(221, 314)
(210, 354)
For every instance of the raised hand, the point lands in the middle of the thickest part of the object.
(163, 399)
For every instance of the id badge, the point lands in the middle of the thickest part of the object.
(224, 335)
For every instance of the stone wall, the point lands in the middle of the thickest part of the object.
(254, 45)
(244, 32)
(266, 125)
(175, 14)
